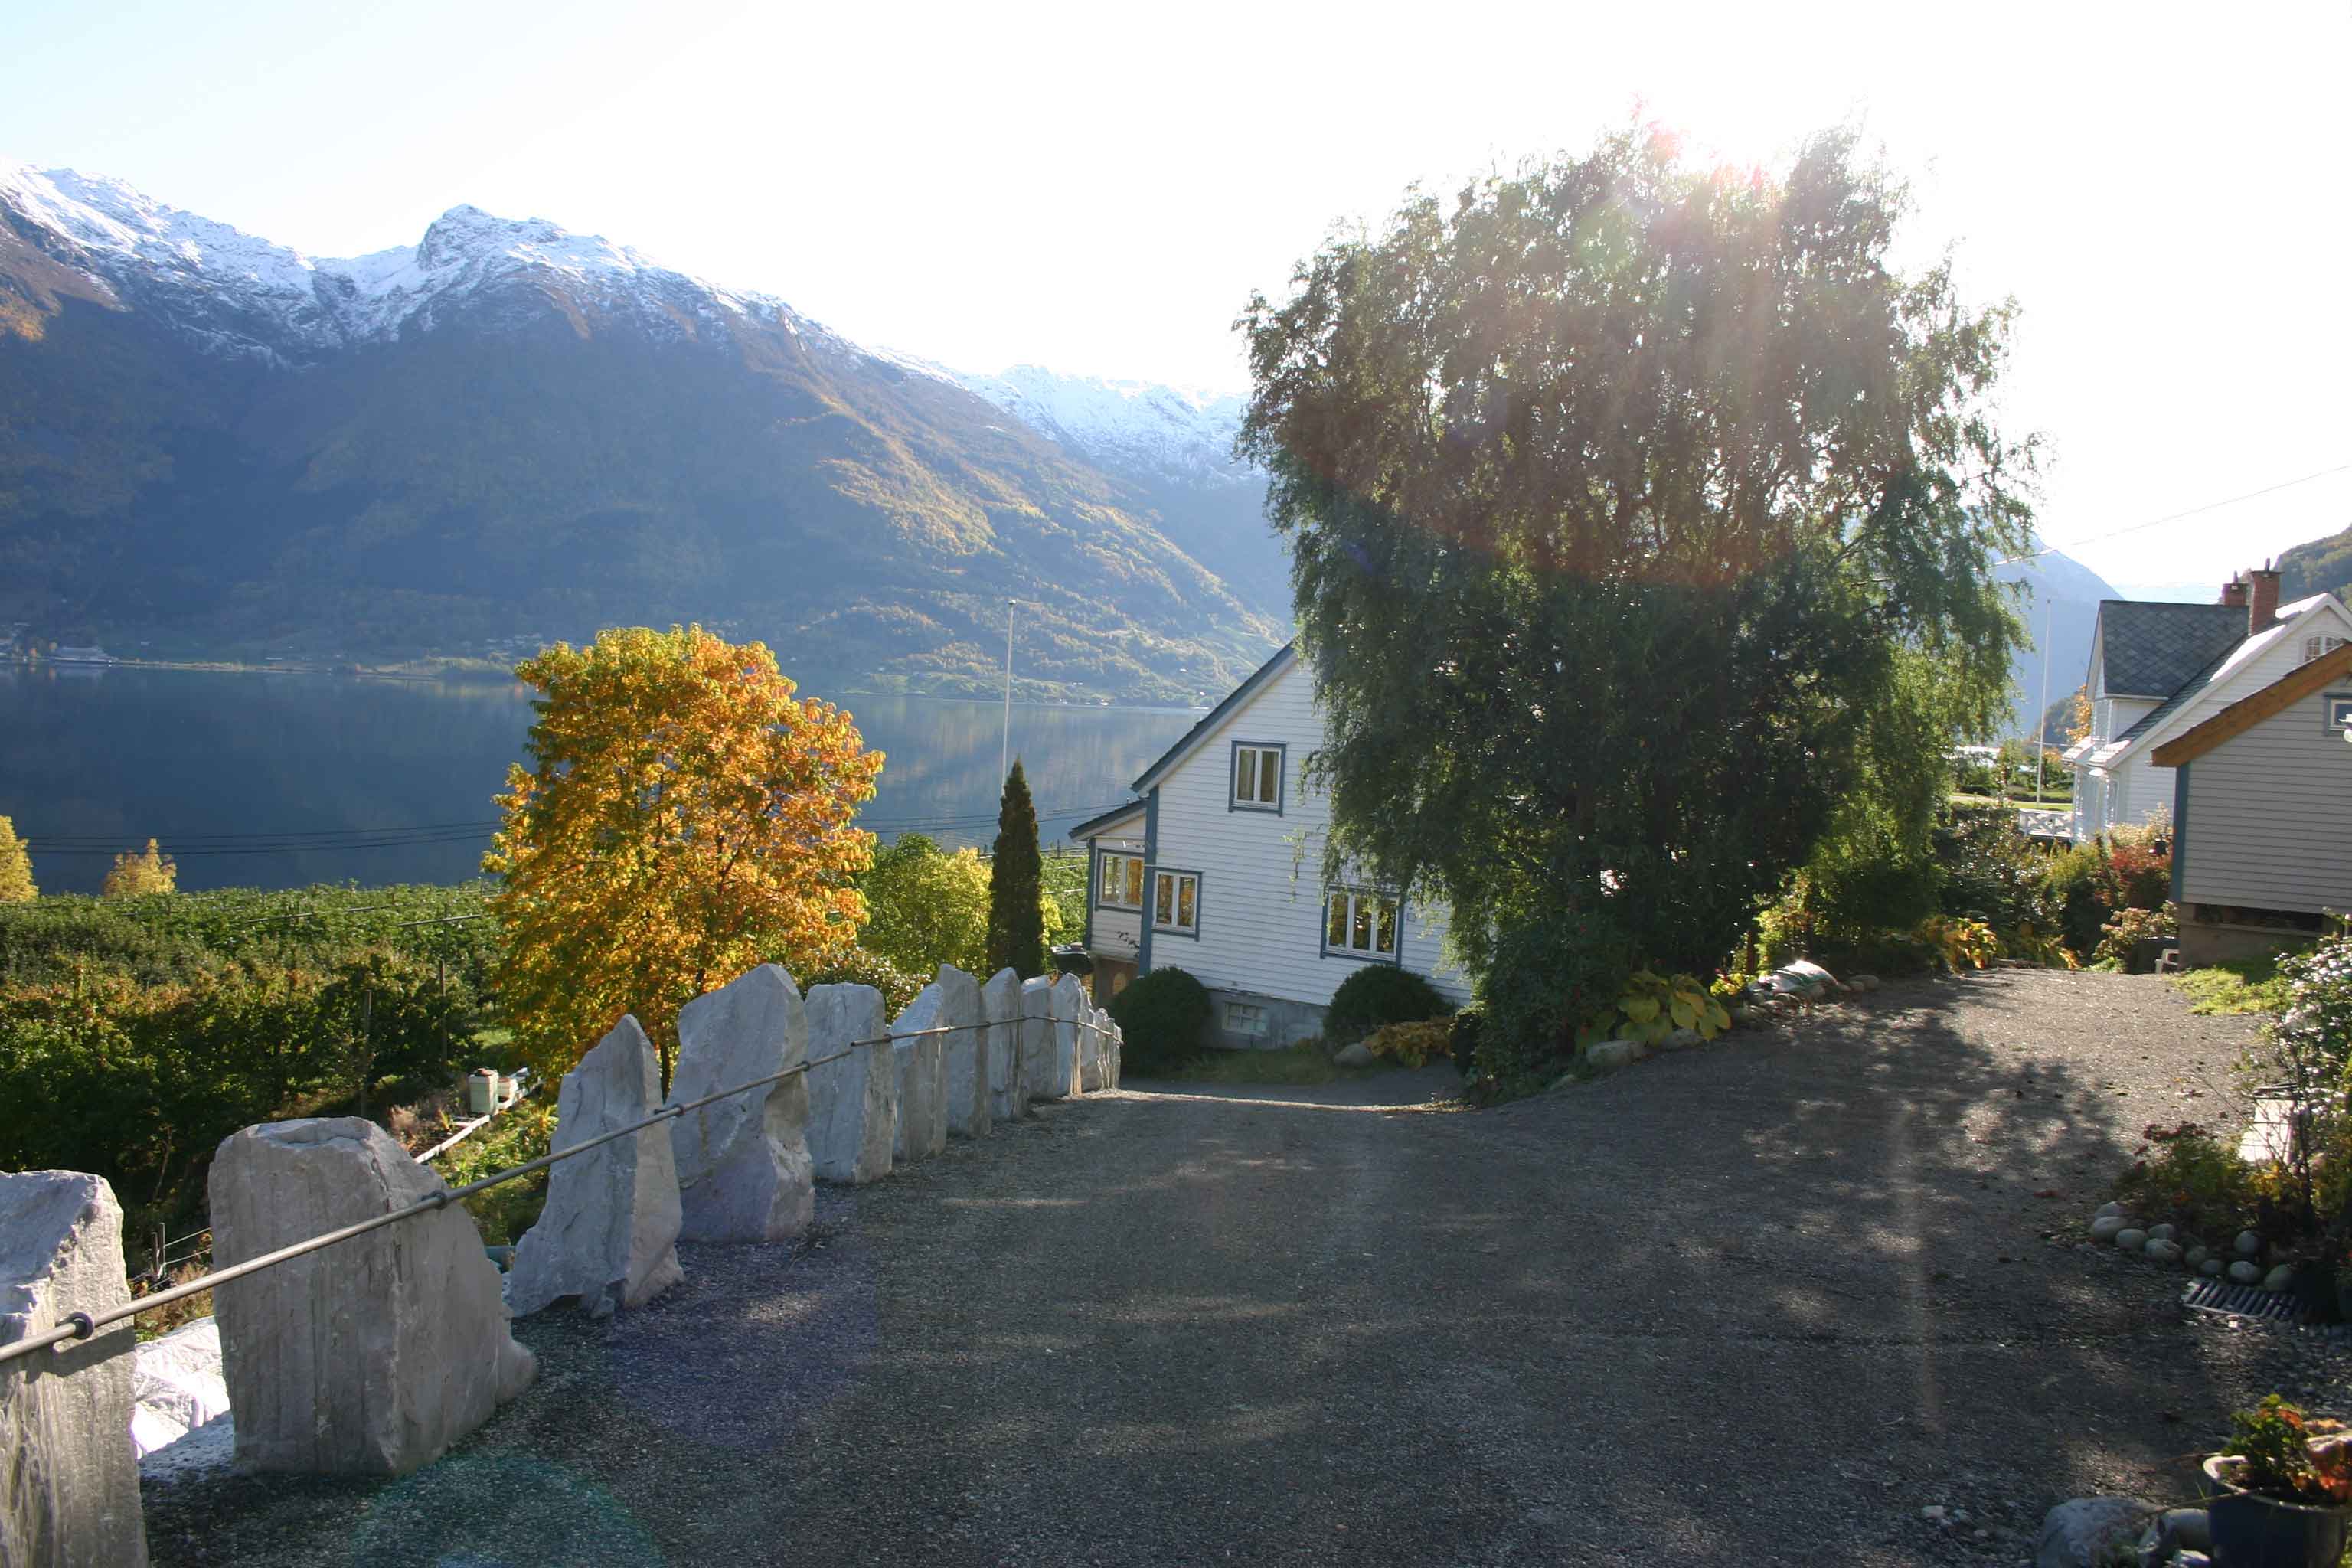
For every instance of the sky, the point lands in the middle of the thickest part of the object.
(1099, 189)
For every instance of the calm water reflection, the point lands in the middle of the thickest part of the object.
(119, 755)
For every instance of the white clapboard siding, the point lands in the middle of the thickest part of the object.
(2270, 817)
(1261, 901)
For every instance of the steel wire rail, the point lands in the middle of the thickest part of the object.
(81, 1326)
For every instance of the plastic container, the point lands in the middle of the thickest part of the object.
(481, 1092)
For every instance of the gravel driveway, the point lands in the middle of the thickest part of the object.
(1762, 1301)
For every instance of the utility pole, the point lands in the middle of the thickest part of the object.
(2041, 714)
(1004, 752)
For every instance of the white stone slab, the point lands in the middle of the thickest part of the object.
(922, 1077)
(1069, 1005)
(743, 1167)
(1000, 1004)
(608, 1235)
(1037, 1039)
(852, 1084)
(68, 1480)
(368, 1357)
(964, 1054)
(176, 1385)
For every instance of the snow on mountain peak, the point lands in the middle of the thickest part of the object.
(1184, 434)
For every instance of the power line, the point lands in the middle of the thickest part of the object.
(2200, 511)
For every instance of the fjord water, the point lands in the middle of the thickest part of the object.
(213, 763)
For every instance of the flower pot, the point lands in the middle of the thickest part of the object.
(2254, 1532)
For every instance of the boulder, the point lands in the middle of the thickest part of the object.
(1069, 1007)
(1680, 1040)
(922, 1077)
(2211, 1268)
(176, 1385)
(1037, 1039)
(1359, 1054)
(1803, 980)
(68, 1480)
(2107, 1227)
(2091, 1532)
(2110, 1208)
(2161, 1233)
(2163, 1251)
(1000, 1004)
(2245, 1272)
(2249, 1244)
(1612, 1053)
(372, 1356)
(743, 1169)
(852, 1084)
(971, 1111)
(608, 1235)
(2131, 1239)
(2280, 1278)
(1863, 985)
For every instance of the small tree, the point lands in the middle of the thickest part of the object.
(1016, 925)
(138, 873)
(926, 907)
(16, 868)
(686, 818)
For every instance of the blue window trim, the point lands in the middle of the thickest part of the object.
(1348, 954)
(1096, 900)
(1151, 900)
(1281, 749)
(2327, 709)
(1151, 854)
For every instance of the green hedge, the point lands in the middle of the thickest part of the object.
(1163, 1017)
(1376, 995)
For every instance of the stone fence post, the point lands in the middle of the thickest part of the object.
(922, 1077)
(970, 1111)
(1000, 1004)
(853, 1087)
(743, 1167)
(68, 1480)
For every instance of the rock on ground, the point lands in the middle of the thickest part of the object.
(68, 1480)
(2087, 1532)
(922, 1077)
(744, 1168)
(970, 1111)
(176, 1385)
(608, 1235)
(370, 1357)
(1359, 1054)
(852, 1084)
(1000, 1004)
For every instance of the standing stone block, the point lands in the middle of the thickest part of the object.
(1069, 1005)
(744, 1168)
(1118, 1054)
(1000, 1004)
(368, 1357)
(852, 1084)
(923, 1076)
(1093, 1057)
(608, 1235)
(69, 1481)
(1037, 1040)
(970, 1110)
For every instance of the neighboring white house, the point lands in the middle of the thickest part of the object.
(1217, 868)
(2159, 669)
(2261, 842)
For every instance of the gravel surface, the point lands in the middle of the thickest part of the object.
(1757, 1303)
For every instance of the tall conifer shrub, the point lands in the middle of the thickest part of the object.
(1016, 923)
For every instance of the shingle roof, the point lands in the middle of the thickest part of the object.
(2186, 694)
(2152, 649)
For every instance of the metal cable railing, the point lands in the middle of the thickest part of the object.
(80, 1326)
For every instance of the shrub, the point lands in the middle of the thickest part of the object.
(858, 967)
(1467, 1026)
(1651, 1006)
(2191, 1177)
(1379, 995)
(1992, 871)
(2119, 935)
(1163, 1015)
(1544, 978)
(1959, 943)
(1412, 1045)
(2318, 1016)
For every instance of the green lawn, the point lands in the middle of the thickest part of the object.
(2248, 985)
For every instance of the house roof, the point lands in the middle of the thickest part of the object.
(2248, 712)
(2150, 649)
(1283, 658)
(2189, 692)
(1093, 826)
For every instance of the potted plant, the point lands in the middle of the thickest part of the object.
(2283, 1498)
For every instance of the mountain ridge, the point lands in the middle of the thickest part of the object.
(509, 427)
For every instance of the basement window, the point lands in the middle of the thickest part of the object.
(1245, 1018)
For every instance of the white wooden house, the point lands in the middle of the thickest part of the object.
(2261, 842)
(1216, 868)
(2159, 670)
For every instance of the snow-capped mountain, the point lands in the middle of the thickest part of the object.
(211, 438)
(1182, 434)
(241, 295)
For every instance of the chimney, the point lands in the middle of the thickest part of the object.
(2233, 593)
(2262, 600)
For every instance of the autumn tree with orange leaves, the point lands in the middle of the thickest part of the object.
(684, 818)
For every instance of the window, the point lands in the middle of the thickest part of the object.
(1120, 882)
(2313, 646)
(1245, 1018)
(1176, 902)
(1362, 925)
(1257, 777)
(2340, 712)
